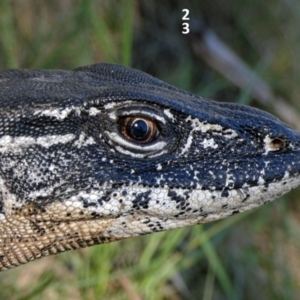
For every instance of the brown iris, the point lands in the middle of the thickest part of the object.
(138, 129)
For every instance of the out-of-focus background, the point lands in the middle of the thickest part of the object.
(239, 51)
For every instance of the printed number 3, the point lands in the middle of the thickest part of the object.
(186, 28)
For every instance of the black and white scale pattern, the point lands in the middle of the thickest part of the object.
(69, 178)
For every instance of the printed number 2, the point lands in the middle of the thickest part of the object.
(185, 29)
(185, 17)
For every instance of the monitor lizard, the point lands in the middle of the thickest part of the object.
(105, 152)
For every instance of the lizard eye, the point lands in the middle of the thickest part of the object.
(138, 129)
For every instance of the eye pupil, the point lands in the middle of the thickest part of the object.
(139, 129)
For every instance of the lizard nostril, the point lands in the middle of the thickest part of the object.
(276, 144)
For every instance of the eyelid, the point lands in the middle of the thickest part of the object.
(142, 113)
(124, 145)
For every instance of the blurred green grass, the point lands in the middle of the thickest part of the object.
(255, 254)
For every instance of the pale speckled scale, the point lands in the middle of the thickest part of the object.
(69, 178)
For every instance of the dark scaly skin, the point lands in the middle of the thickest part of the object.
(70, 178)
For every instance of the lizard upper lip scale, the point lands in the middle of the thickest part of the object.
(71, 176)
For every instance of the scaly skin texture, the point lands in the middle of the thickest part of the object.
(70, 177)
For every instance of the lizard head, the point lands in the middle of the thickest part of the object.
(106, 152)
